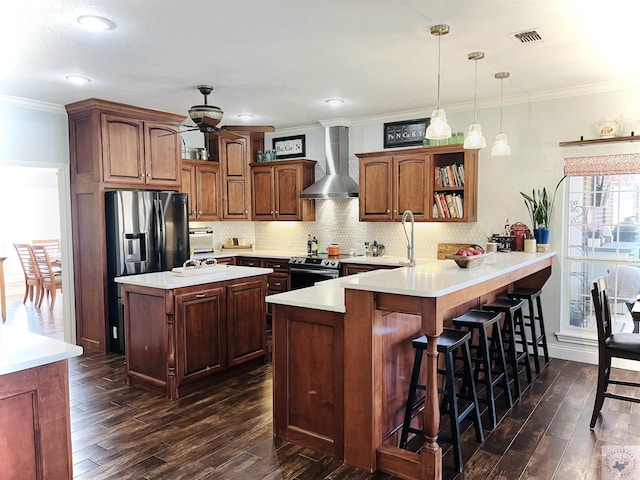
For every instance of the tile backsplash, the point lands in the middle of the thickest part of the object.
(337, 222)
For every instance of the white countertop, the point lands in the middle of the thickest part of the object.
(170, 280)
(433, 278)
(20, 350)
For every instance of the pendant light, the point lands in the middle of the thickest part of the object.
(474, 138)
(501, 146)
(438, 128)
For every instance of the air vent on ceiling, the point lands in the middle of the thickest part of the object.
(528, 37)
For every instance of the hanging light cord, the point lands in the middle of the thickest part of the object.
(475, 91)
(439, 37)
(501, 92)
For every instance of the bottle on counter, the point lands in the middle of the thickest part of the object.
(374, 248)
(367, 249)
(309, 244)
(314, 246)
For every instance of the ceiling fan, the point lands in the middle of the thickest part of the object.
(207, 118)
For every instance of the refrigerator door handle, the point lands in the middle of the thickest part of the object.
(121, 228)
(160, 230)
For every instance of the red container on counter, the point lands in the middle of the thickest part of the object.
(519, 232)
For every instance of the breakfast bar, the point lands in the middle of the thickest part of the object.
(342, 355)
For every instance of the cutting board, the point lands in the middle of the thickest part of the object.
(449, 249)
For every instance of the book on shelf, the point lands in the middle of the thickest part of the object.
(448, 205)
(449, 176)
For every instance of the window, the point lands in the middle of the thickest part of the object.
(602, 238)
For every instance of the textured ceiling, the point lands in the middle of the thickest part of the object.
(280, 59)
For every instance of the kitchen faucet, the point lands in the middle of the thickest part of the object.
(411, 251)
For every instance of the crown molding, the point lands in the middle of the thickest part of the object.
(32, 104)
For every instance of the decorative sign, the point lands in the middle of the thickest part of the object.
(289, 147)
(406, 133)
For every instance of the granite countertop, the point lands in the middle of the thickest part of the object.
(171, 280)
(433, 278)
(21, 350)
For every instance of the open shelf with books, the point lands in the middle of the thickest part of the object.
(455, 178)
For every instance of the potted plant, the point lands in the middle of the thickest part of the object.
(540, 208)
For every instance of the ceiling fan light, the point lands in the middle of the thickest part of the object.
(438, 128)
(474, 138)
(198, 112)
(501, 146)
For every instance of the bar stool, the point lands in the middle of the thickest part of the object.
(488, 350)
(448, 343)
(513, 334)
(533, 316)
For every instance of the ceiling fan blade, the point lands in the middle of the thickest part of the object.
(180, 132)
(249, 128)
(212, 122)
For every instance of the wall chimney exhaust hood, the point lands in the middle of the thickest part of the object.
(336, 183)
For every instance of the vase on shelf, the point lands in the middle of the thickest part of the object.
(541, 235)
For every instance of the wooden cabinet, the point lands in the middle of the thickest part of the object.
(201, 180)
(276, 190)
(277, 282)
(354, 268)
(398, 180)
(111, 145)
(178, 339)
(391, 183)
(235, 151)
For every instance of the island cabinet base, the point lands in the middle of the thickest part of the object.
(178, 339)
(35, 425)
(308, 383)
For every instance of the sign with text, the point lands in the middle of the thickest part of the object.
(406, 133)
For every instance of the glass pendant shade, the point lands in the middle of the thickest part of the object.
(501, 147)
(474, 138)
(438, 128)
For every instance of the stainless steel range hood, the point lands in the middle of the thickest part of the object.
(336, 183)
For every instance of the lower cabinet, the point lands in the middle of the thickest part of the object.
(354, 268)
(176, 339)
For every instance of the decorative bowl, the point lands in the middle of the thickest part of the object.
(608, 129)
(469, 261)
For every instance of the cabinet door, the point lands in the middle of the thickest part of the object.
(246, 321)
(375, 188)
(200, 333)
(262, 198)
(208, 191)
(235, 178)
(162, 155)
(188, 186)
(411, 184)
(286, 184)
(122, 150)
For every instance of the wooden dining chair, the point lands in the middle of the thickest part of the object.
(50, 282)
(31, 278)
(610, 345)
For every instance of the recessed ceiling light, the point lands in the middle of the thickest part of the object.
(334, 102)
(245, 116)
(95, 23)
(77, 79)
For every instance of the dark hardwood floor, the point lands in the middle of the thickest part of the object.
(225, 430)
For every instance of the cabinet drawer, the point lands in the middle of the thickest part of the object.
(248, 262)
(278, 265)
(278, 282)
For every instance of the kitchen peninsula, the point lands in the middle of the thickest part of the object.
(181, 331)
(342, 355)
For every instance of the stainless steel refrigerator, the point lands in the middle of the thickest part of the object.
(147, 231)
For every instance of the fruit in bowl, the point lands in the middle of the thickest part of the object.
(469, 257)
(470, 251)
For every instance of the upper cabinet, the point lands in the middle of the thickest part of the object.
(122, 146)
(201, 180)
(435, 183)
(235, 151)
(277, 187)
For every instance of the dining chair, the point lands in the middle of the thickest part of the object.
(53, 249)
(610, 345)
(49, 280)
(31, 278)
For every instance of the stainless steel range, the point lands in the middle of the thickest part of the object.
(306, 271)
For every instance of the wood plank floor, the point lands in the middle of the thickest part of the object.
(225, 431)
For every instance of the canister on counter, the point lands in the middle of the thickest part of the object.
(519, 232)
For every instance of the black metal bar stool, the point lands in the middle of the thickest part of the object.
(538, 334)
(513, 334)
(488, 356)
(448, 343)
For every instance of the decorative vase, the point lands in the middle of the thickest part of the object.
(542, 235)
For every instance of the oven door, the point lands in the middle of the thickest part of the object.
(307, 277)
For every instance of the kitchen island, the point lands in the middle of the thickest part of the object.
(35, 433)
(342, 355)
(183, 331)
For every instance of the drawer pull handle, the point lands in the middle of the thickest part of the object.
(201, 295)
